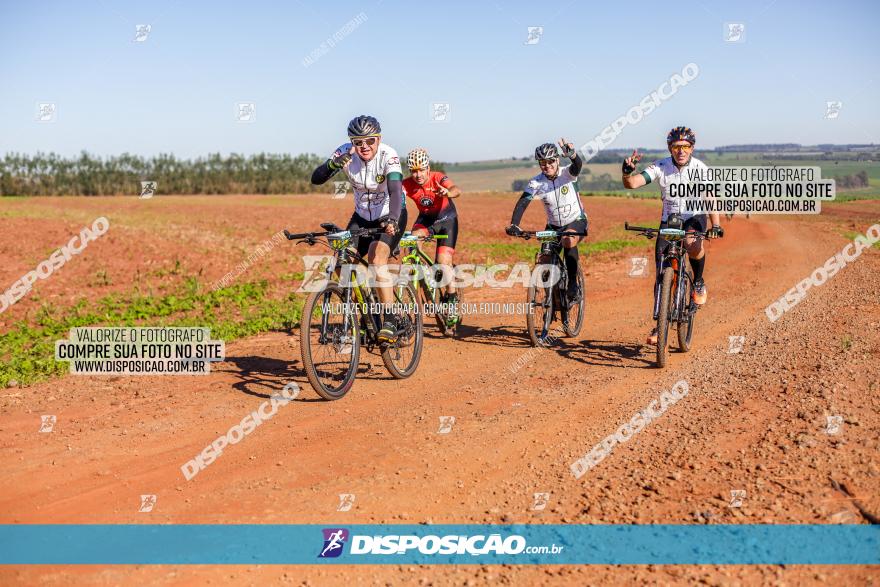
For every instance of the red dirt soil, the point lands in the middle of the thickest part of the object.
(753, 420)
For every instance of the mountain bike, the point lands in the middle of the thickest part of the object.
(676, 287)
(342, 315)
(447, 317)
(548, 297)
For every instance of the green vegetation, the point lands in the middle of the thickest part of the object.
(240, 310)
(525, 251)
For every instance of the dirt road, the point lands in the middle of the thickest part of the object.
(755, 420)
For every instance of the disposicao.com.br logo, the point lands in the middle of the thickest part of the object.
(452, 544)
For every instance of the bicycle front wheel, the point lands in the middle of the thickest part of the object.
(663, 317)
(540, 310)
(402, 358)
(330, 342)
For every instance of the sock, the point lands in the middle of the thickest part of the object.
(571, 264)
(698, 265)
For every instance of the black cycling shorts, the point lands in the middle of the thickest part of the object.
(580, 225)
(363, 243)
(444, 223)
(697, 223)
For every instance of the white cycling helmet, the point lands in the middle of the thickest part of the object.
(418, 159)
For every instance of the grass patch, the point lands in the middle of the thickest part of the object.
(242, 309)
(525, 251)
(852, 235)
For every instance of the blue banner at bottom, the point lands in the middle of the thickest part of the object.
(531, 544)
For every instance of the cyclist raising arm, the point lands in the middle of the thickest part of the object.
(373, 168)
(433, 192)
(557, 188)
(674, 169)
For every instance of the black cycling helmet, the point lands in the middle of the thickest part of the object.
(364, 126)
(546, 151)
(681, 133)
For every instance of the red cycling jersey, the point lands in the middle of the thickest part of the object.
(430, 203)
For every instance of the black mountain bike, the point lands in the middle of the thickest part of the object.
(339, 318)
(548, 298)
(676, 288)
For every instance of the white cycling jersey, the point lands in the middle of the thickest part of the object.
(664, 172)
(369, 180)
(559, 195)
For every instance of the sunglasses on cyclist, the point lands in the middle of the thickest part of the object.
(360, 142)
(682, 147)
(546, 161)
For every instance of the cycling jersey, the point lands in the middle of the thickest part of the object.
(369, 180)
(559, 195)
(664, 172)
(426, 197)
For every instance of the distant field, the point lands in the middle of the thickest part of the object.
(499, 175)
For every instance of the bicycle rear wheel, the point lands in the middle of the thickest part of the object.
(402, 358)
(540, 310)
(685, 327)
(663, 317)
(330, 342)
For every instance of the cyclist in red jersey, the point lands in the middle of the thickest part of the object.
(433, 191)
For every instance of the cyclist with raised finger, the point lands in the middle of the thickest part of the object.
(433, 192)
(557, 188)
(373, 169)
(678, 168)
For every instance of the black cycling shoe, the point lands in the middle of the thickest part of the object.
(390, 330)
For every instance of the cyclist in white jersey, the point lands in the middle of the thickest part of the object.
(557, 189)
(678, 169)
(373, 169)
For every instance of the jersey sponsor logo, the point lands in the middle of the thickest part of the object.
(426, 202)
(444, 178)
(394, 161)
(373, 198)
(380, 178)
(564, 189)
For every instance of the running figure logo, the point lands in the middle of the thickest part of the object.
(340, 189)
(446, 423)
(334, 541)
(141, 32)
(736, 498)
(833, 424)
(147, 503)
(47, 423)
(735, 344)
(346, 500)
(148, 189)
(832, 109)
(534, 35)
(734, 32)
(541, 500)
(639, 264)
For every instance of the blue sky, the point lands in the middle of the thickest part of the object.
(176, 92)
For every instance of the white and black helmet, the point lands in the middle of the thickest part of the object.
(364, 126)
(546, 151)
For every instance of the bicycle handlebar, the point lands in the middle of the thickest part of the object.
(313, 235)
(527, 234)
(652, 232)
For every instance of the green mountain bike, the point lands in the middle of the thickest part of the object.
(425, 280)
(342, 314)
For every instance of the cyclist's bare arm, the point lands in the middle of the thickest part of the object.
(450, 191)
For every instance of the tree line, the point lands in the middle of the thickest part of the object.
(87, 175)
